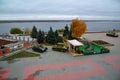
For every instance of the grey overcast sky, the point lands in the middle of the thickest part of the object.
(59, 9)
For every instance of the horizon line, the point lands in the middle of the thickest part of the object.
(87, 20)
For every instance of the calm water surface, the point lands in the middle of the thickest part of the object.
(91, 26)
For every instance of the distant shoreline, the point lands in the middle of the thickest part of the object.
(13, 21)
(92, 32)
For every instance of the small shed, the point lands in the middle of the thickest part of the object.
(73, 46)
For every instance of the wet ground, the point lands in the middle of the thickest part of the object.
(54, 65)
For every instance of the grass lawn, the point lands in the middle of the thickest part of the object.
(22, 54)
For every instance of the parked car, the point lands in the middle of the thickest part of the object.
(60, 47)
(39, 48)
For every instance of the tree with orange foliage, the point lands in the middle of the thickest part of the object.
(78, 27)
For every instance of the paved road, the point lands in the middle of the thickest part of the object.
(54, 65)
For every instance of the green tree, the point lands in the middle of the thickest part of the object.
(16, 31)
(34, 32)
(57, 37)
(40, 37)
(50, 38)
(70, 34)
(60, 30)
(66, 31)
(56, 33)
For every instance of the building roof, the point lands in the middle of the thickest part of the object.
(75, 42)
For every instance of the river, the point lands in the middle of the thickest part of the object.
(91, 26)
